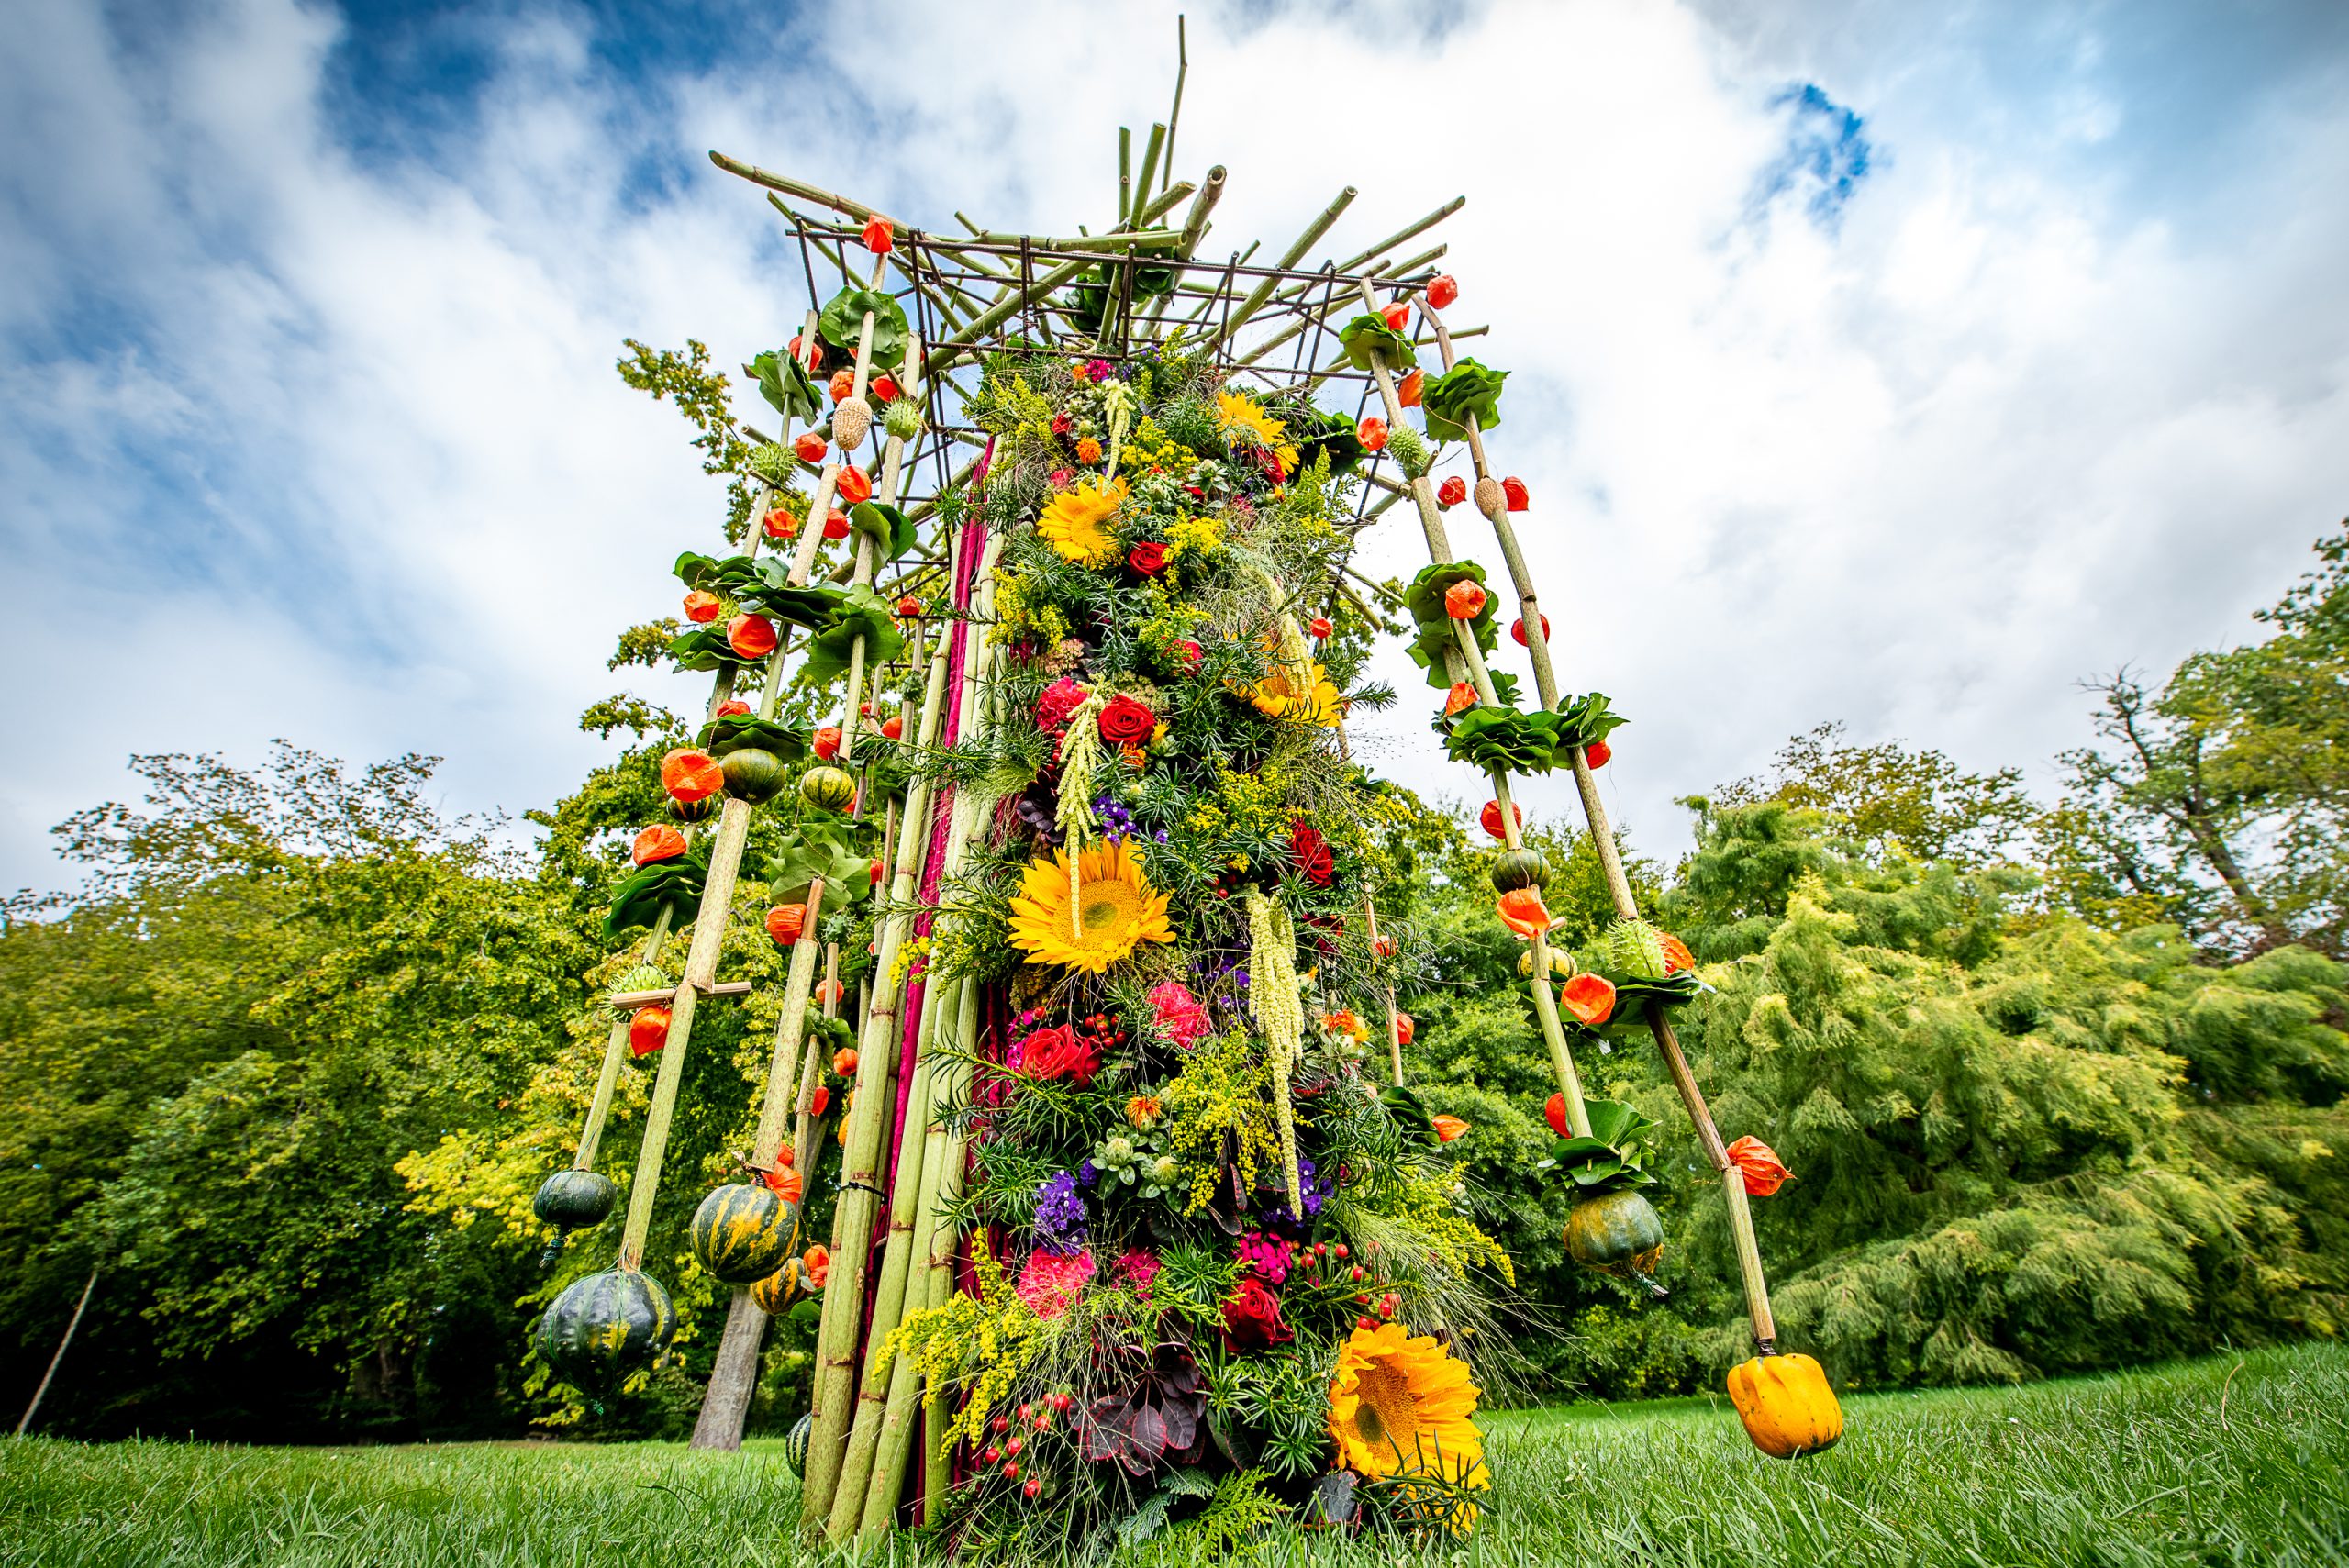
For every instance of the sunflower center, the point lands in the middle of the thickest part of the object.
(1388, 1413)
(1107, 911)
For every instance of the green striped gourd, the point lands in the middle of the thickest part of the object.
(742, 1233)
(1618, 1233)
(604, 1325)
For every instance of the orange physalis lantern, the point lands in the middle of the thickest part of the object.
(1397, 315)
(908, 607)
(854, 485)
(1555, 1113)
(845, 1062)
(658, 842)
(1464, 600)
(1522, 911)
(750, 636)
(1452, 491)
(895, 728)
(885, 387)
(785, 922)
(648, 1031)
(691, 775)
(842, 384)
(730, 707)
(1596, 753)
(836, 524)
(1517, 630)
(780, 523)
(827, 743)
(1407, 393)
(876, 234)
(1513, 490)
(1448, 1127)
(810, 447)
(1676, 956)
(1405, 1026)
(819, 1101)
(1443, 290)
(1490, 818)
(1372, 433)
(1590, 998)
(701, 608)
(816, 1265)
(1753, 1160)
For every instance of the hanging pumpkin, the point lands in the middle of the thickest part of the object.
(698, 811)
(573, 1200)
(795, 1447)
(772, 1294)
(1786, 1405)
(690, 775)
(604, 1325)
(1617, 1233)
(787, 922)
(827, 788)
(742, 1233)
(648, 1031)
(752, 775)
(750, 636)
(658, 842)
(1562, 963)
(702, 607)
(1520, 868)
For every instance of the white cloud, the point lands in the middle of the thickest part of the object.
(302, 442)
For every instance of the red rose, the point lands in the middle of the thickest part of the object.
(1252, 1318)
(1127, 721)
(1311, 854)
(1148, 558)
(1057, 1053)
(1193, 655)
(1059, 700)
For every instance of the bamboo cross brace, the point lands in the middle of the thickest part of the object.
(607, 1078)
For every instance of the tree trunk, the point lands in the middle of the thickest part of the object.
(734, 1377)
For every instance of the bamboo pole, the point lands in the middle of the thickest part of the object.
(852, 1225)
(615, 1048)
(23, 1422)
(1263, 289)
(944, 1243)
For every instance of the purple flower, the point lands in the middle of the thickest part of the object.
(1059, 1216)
(1313, 1189)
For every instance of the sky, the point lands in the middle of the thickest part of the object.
(1893, 364)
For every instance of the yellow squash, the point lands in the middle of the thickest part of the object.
(1786, 1405)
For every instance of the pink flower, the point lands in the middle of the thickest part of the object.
(1180, 1015)
(1059, 700)
(1060, 479)
(1140, 1267)
(1268, 1255)
(1050, 1283)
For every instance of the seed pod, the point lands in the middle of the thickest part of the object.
(1491, 499)
(851, 422)
(902, 418)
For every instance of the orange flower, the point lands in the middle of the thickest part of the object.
(701, 608)
(1372, 433)
(1676, 956)
(1590, 998)
(690, 775)
(750, 636)
(1407, 394)
(1463, 599)
(1759, 1166)
(1343, 1021)
(1088, 450)
(1522, 911)
(1461, 696)
(1133, 756)
(658, 842)
(1142, 1110)
(785, 922)
(1448, 1127)
(854, 485)
(816, 1265)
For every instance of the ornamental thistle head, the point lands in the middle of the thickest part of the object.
(1634, 948)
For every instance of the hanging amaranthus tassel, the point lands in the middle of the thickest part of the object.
(1080, 753)
(1117, 399)
(1273, 996)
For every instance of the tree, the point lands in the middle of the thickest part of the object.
(1889, 798)
(2218, 801)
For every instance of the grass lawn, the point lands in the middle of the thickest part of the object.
(2234, 1460)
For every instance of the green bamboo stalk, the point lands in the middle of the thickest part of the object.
(1289, 258)
(1125, 173)
(853, 1219)
(896, 1438)
(614, 1048)
(945, 1242)
(1150, 152)
(701, 963)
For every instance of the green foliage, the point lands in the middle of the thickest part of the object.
(1892, 800)
(703, 397)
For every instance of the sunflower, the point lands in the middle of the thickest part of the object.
(1401, 1405)
(1072, 522)
(1278, 696)
(1245, 418)
(1115, 910)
